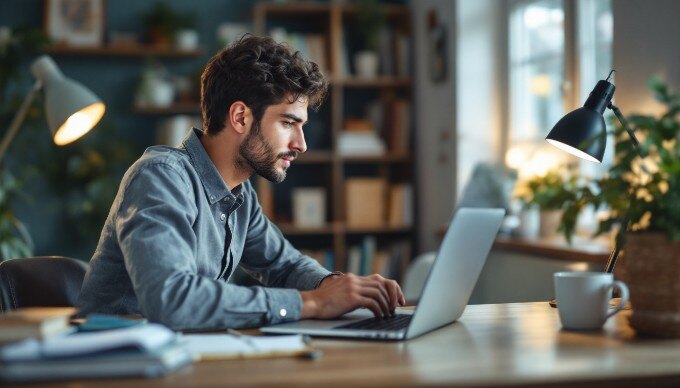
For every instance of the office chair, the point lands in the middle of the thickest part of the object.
(46, 281)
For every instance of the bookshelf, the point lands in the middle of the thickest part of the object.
(137, 50)
(326, 164)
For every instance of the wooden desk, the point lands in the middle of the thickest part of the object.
(504, 344)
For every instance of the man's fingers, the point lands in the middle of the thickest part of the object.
(402, 298)
(376, 295)
(393, 290)
(372, 305)
(367, 282)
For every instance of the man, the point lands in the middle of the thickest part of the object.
(184, 218)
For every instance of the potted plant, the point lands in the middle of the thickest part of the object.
(16, 46)
(370, 21)
(162, 24)
(642, 193)
(548, 193)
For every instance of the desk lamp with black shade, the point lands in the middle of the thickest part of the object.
(71, 109)
(583, 133)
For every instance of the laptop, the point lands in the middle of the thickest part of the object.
(452, 278)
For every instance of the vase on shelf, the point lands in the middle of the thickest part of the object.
(366, 64)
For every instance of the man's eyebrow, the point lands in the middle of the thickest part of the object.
(292, 117)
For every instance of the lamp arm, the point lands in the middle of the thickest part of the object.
(614, 255)
(625, 125)
(19, 119)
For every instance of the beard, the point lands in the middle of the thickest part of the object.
(258, 155)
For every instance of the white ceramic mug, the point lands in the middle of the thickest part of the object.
(583, 298)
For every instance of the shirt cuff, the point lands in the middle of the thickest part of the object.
(334, 273)
(283, 305)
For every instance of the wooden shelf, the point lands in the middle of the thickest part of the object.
(389, 158)
(178, 108)
(294, 9)
(290, 229)
(380, 230)
(330, 20)
(125, 51)
(378, 82)
(581, 249)
(311, 157)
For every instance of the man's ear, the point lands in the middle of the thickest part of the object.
(240, 117)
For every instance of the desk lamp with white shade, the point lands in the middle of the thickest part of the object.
(71, 109)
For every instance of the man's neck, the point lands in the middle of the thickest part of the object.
(223, 152)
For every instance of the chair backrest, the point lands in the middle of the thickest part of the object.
(47, 281)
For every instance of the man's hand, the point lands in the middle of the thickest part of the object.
(337, 295)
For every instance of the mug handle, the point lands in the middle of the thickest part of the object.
(624, 296)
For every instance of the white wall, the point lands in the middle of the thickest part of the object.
(435, 117)
(459, 120)
(646, 42)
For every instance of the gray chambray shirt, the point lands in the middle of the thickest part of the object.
(174, 236)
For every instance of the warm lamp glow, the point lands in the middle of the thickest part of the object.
(515, 158)
(79, 124)
(541, 85)
(572, 150)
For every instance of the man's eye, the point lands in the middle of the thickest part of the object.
(288, 124)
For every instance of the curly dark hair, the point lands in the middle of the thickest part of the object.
(260, 72)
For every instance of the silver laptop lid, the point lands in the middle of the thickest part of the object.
(456, 269)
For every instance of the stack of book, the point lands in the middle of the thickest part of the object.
(389, 261)
(144, 350)
(360, 138)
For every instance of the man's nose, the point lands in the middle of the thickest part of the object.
(298, 144)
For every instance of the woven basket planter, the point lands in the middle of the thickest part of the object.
(652, 273)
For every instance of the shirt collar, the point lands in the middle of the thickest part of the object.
(215, 188)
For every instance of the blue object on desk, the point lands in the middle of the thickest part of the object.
(96, 322)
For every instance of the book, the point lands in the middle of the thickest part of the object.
(35, 322)
(309, 206)
(354, 260)
(401, 206)
(368, 248)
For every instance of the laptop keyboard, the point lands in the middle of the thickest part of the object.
(394, 323)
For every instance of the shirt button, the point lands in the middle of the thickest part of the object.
(212, 197)
(223, 217)
(283, 312)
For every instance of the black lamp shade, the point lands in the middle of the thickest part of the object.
(581, 132)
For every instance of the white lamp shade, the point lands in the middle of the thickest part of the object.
(71, 109)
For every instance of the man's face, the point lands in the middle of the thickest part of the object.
(276, 140)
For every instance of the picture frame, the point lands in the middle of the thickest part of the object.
(77, 23)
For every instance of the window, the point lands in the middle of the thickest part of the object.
(554, 45)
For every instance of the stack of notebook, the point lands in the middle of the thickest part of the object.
(144, 350)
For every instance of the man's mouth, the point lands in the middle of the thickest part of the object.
(287, 160)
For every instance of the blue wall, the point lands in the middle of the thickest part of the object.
(114, 80)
